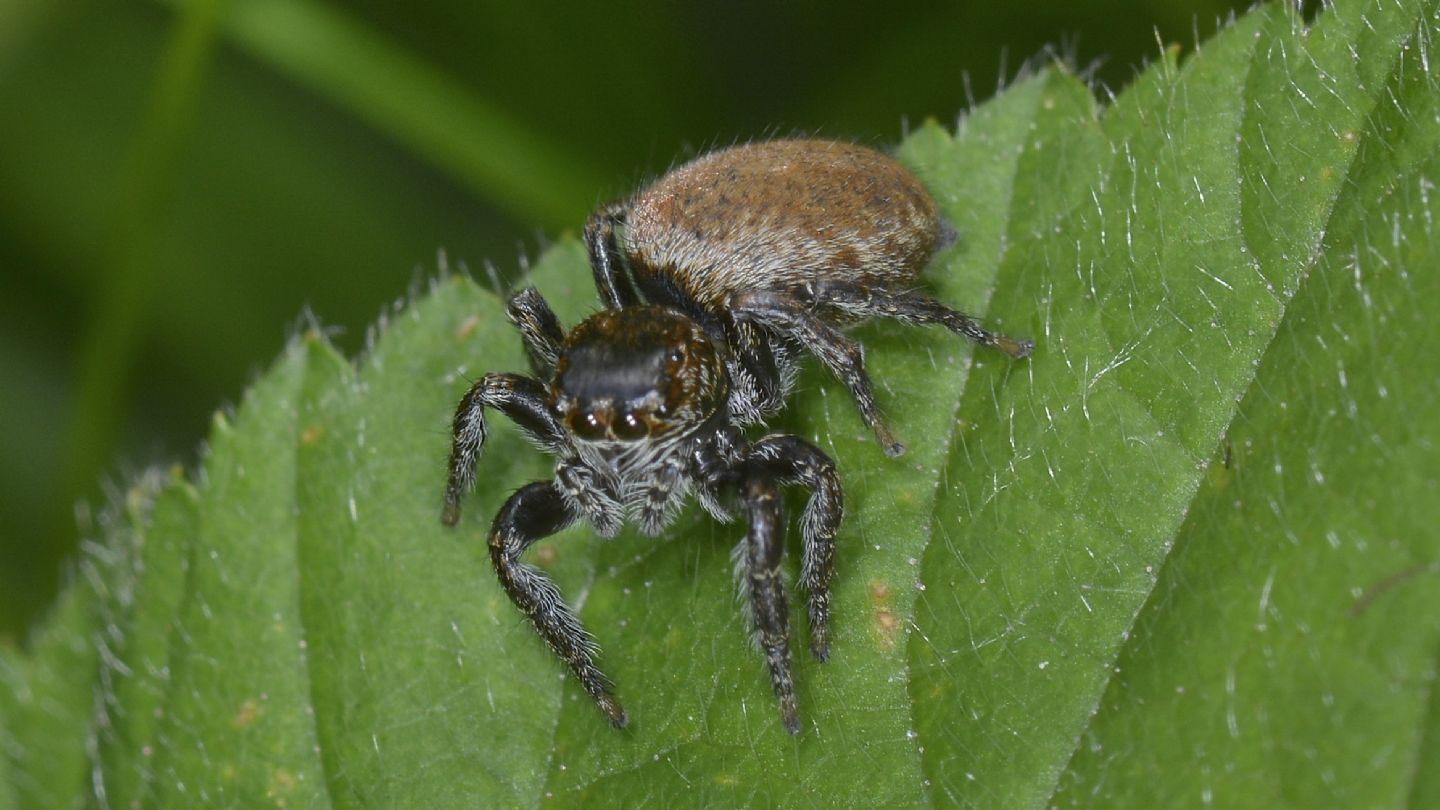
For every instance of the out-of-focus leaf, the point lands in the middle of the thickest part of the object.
(1185, 553)
(493, 153)
(146, 570)
(46, 705)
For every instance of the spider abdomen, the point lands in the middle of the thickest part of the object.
(778, 215)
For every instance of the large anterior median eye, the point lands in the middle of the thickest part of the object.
(585, 423)
(630, 426)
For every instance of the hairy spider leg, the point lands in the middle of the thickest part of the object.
(909, 306)
(764, 548)
(593, 494)
(844, 357)
(536, 511)
(539, 329)
(659, 503)
(792, 460)
(518, 397)
(615, 289)
(756, 359)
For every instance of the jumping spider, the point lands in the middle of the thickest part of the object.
(713, 279)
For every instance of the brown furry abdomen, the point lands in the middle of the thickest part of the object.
(779, 214)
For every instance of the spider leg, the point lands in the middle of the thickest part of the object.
(590, 494)
(520, 398)
(844, 357)
(663, 493)
(758, 382)
(793, 460)
(911, 307)
(615, 288)
(535, 511)
(714, 466)
(539, 329)
(764, 547)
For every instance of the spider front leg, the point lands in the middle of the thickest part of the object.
(539, 329)
(606, 263)
(520, 398)
(536, 511)
(763, 550)
(792, 460)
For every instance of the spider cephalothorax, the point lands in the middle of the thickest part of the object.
(639, 393)
(645, 373)
(714, 279)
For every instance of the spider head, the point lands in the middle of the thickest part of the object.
(636, 373)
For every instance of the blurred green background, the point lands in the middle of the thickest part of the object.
(180, 180)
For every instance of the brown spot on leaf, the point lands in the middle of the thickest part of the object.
(886, 622)
(246, 715)
(282, 784)
(467, 327)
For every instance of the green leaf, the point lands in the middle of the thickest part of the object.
(237, 727)
(1214, 236)
(46, 708)
(1184, 554)
(147, 571)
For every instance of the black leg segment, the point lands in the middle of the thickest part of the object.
(520, 398)
(909, 306)
(606, 263)
(764, 549)
(756, 359)
(539, 329)
(840, 354)
(534, 512)
(792, 460)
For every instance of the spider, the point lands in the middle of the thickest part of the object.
(713, 280)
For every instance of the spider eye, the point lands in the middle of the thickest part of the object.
(630, 427)
(589, 425)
